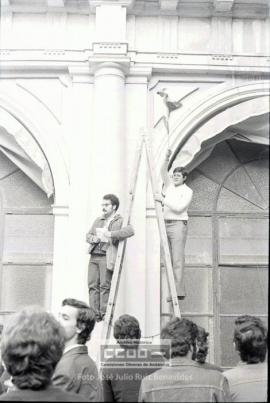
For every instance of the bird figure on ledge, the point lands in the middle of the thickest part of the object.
(170, 106)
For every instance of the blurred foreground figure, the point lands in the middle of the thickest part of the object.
(32, 344)
(248, 381)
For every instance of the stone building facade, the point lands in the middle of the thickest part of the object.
(78, 80)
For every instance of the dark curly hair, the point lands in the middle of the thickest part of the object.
(127, 331)
(182, 335)
(85, 318)
(201, 350)
(250, 337)
(32, 344)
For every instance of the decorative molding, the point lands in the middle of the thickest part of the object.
(123, 3)
(81, 73)
(223, 6)
(222, 57)
(105, 48)
(60, 210)
(54, 52)
(184, 8)
(139, 75)
(56, 3)
(168, 4)
(168, 57)
(52, 63)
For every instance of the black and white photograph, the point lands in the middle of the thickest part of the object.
(134, 200)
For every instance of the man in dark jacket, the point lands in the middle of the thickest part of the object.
(183, 380)
(128, 363)
(103, 237)
(76, 371)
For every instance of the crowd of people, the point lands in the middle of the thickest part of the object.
(44, 358)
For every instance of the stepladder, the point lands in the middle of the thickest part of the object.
(143, 145)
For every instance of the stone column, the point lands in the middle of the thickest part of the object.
(108, 140)
(61, 288)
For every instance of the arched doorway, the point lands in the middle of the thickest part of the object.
(227, 248)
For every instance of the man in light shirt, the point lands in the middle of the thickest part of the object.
(76, 371)
(248, 380)
(176, 199)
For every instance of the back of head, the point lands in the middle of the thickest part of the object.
(32, 344)
(127, 331)
(201, 345)
(85, 318)
(182, 335)
(250, 337)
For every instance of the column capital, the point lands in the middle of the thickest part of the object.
(103, 66)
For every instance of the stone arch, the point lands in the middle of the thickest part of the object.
(42, 126)
(248, 99)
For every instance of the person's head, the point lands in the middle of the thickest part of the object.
(201, 351)
(179, 176)
(182, 334)
(78, 321)
(32, 344)
(110, 204)
(250, 338)
(127, 331)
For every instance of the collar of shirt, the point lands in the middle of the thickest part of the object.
(109, 219)
(71, 347)
(175, 361)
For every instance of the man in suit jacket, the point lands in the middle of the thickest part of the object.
(76, 371)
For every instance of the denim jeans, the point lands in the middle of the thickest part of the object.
(99, 283)
(177, 236)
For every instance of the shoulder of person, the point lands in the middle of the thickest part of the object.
(231, 373)
(83, 360)
(98, 221)
(187, 187)
(117, 219)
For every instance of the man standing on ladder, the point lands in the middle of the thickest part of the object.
(176, 198)
(103, 237)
